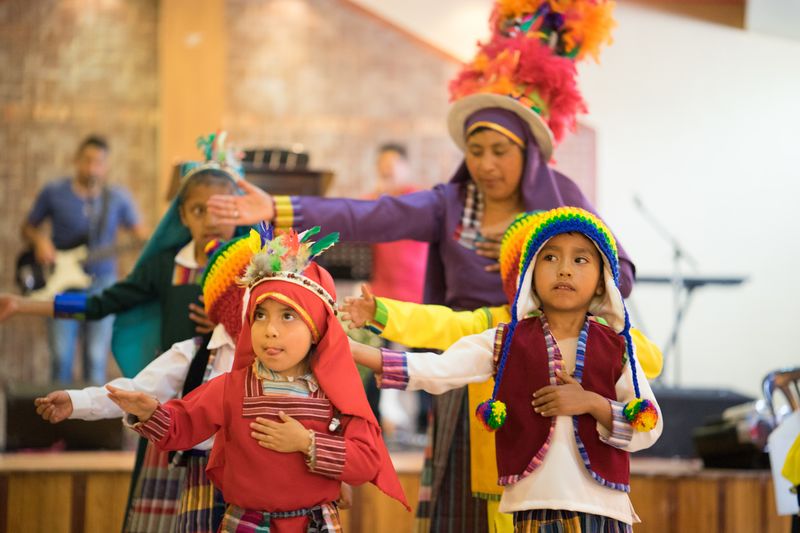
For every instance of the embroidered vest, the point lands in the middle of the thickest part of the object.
(522, 441)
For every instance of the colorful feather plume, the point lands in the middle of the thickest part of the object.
(287, 251)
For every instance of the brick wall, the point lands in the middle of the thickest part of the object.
(334, 78)
(69, 68)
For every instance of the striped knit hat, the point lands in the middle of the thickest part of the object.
(540, 228)
(222, 292)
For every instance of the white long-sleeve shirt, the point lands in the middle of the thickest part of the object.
(163, 379)
(561, 481)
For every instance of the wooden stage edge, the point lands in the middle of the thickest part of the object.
(74, 492)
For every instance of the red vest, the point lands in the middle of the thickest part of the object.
(525, 431)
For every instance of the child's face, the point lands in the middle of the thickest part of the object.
(281, 340)
(566, 275)
(194, 215)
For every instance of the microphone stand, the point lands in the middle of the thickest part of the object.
(680, 294)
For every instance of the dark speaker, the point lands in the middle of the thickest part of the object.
(684, 410)
(22, 429)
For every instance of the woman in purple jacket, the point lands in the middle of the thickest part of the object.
(506, 148)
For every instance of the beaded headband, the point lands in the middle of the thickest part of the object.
(285, 256)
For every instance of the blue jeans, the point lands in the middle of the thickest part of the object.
(63, 335)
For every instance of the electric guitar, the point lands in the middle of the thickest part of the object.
(44, 282)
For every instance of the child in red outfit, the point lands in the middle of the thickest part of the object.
(294, 381)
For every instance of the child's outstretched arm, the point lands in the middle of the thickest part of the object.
(177, 424)
(163, 379)
(11, 304)
(434, 327)
(467, 361)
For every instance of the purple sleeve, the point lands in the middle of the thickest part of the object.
(416, 216)
(41, 208)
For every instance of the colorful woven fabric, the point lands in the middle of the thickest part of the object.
(558, 521)
(321, 519)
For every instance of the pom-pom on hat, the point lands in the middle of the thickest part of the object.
(540, 228)
(528, 66)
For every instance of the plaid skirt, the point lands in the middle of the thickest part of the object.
(320, 519)
(557, 521)
(174, 497)
(446, 503)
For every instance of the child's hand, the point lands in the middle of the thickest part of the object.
(136, 403)
(287, 436)
(565, 399)
(197, 314)
(359, 310)
(9, 305)
(54, 407)
(250, 208)
(345, 500)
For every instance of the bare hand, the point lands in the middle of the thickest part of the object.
(286, 436)
(9, 305)
(197, 314)
(490, 247)
(565, 399)
(359, 310)
(345, 500)
(44, 251)
(55, 407)
(250, 208)
(136, 403)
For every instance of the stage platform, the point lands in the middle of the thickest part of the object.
(75, 492)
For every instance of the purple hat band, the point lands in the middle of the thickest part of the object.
(503, 121)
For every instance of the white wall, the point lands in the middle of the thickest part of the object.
(703, 123)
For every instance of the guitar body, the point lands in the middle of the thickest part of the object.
(44, 283)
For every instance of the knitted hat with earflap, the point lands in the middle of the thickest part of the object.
(222, 292)
(542, 227)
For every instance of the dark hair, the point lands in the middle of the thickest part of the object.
(207, 176)
(398, 148)
(95, 141)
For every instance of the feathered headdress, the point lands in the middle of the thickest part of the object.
(531, 56)
(217, 154)
(285, 255)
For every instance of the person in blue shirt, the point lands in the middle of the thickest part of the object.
(82, 210)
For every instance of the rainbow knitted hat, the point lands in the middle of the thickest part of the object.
(511, 250)
(540, 228)
(222, 293)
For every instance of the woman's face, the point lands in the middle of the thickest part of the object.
(495, 164)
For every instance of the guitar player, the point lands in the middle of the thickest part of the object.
(82, 210)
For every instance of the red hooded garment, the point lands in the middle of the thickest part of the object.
(256, 478)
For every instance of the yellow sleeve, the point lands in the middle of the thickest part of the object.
(434, 327)
(648, 354)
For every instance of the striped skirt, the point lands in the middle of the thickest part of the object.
(557, 521)
(320, 519)
(446, 503)
(174, 497)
